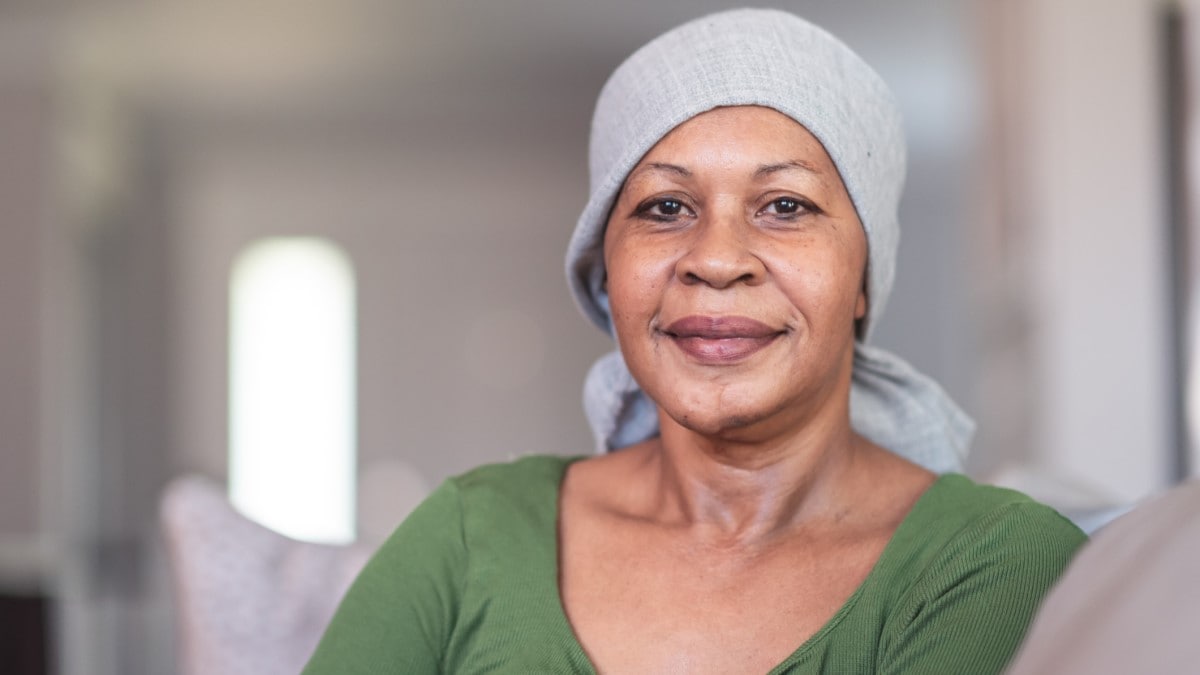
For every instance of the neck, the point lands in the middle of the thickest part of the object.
(742, 491)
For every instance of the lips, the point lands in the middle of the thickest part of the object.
(720, 339)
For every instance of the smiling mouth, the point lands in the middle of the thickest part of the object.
(715, 340)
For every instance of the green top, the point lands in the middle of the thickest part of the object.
(469, 584)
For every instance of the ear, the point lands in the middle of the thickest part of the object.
(860, 306)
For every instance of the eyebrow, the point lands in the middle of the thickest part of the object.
(762, 171)
(662, 166)
(790, 165)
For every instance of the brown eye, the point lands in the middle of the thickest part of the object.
(789, 207)
(665, 209)
(785, 205)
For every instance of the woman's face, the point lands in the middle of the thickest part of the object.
(735, 264)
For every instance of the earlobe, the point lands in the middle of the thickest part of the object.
(860, 306)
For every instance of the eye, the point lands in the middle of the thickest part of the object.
(663, 209)
(666, 207)
(784, 205)
(789, 206)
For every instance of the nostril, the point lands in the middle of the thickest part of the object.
(717, 278)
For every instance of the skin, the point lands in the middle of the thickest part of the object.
(734, 537)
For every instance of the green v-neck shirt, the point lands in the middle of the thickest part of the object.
(469, 584)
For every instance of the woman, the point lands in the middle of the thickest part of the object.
(776, 504)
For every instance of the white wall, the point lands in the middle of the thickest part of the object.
(25, 152)
(1083, 194)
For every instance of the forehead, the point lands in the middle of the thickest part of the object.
(737, 138)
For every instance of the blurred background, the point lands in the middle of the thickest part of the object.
(346, 219)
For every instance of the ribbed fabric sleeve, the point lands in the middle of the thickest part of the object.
(969, 609)
(512, 619)
(469, 584)
(398, 615)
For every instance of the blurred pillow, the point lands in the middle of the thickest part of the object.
(1130, 601)
(248, 599)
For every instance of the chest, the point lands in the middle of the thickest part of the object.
(641, 600)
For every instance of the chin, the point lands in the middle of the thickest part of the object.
(716, 418)
(714, 426)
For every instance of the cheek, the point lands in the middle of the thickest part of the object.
(825, 283)
(637, 277)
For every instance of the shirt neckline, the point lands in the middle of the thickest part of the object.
(563, 625)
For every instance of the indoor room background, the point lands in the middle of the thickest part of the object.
(431, 156)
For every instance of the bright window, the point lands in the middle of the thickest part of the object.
(292, 433)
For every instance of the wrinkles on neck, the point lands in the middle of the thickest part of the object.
(735, 493)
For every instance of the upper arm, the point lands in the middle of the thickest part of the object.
(398, 614)
(971, 608)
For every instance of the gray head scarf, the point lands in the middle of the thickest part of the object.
(776, 60)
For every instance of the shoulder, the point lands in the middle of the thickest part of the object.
(958, 526)
(530, 468)
(961, 511)
(531, 480)
(490, 491)
(518, 499)
(973, 499)
(403, 608)
(967, 570)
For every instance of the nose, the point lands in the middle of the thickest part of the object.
(720, 255)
